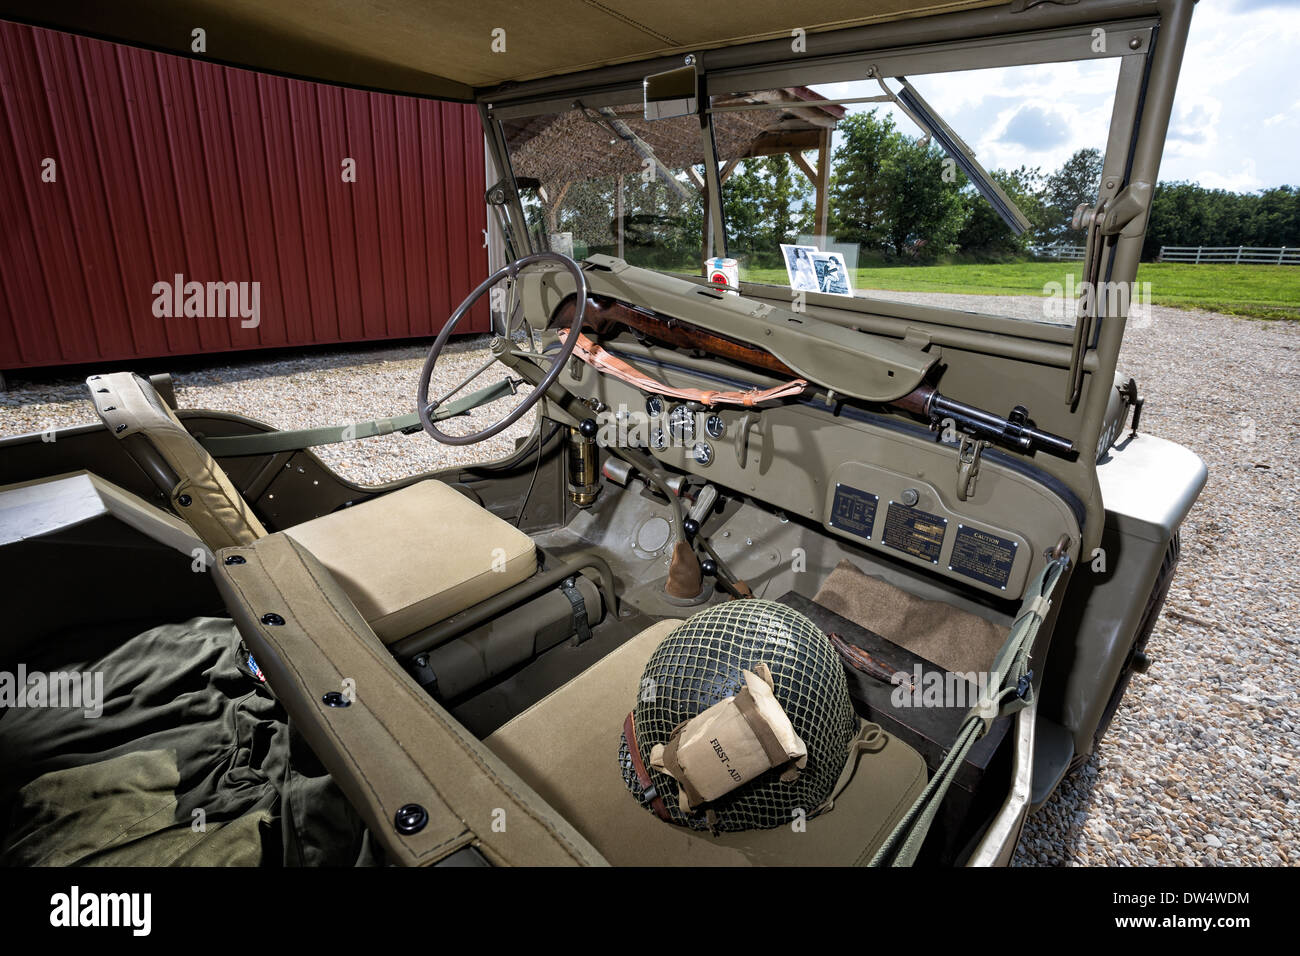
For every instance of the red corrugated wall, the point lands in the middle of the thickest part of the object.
(167, 165)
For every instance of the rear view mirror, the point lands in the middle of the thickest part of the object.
(670, 94)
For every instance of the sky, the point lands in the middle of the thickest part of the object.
(1236, 121)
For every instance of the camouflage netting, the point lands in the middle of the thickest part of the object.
(699, 664)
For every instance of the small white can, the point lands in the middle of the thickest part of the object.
(723, 272)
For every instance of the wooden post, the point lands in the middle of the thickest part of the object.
(706, 243)
(1238, 262)
(1281, 255)
(1198, 255)
(821, 184)
(618, 213)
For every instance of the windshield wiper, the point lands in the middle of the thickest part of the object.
(925, 117)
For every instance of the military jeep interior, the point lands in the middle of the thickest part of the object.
(438, 671)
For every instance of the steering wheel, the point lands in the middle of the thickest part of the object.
(426, 408)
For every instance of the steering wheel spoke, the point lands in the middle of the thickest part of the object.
(427, 408)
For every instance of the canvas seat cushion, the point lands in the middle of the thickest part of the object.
(408, 558)
(566, 748)
(418, 555)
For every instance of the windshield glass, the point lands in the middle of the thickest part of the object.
(864, 198)
(612, 183)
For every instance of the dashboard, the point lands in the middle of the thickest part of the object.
(862, 477)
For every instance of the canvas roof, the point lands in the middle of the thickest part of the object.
(444, 48)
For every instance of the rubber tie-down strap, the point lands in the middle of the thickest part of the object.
(603, 361)
(581, 630)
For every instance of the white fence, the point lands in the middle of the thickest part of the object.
(1239, 255)
(1057, 251)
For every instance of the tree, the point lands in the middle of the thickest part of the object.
(984, 233)
(892, 193)
(766, 202)
(923, 210)
(1077, 181)
(858, 193)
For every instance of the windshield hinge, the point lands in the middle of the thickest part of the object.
(1129, 392)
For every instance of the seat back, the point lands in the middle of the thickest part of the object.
(424, 786)
(197, 487)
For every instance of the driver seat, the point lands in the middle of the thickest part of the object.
(408, 558)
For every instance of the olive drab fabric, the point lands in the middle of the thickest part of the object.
(189, 761)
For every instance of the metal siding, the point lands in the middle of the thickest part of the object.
(168, 165)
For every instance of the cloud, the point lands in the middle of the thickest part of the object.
(1035, 128)
(1236, 101)
(1243, 180)
(1196, 125)
(1250, 6)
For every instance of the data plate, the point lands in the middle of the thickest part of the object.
(982, 556)
(853, 511)
(914, 532)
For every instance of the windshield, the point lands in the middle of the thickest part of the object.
(952, 189)
(612, 183)
(957, 191)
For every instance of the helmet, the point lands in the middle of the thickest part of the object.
(699, 664)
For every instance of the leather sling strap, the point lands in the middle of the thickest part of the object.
(602, 360)
(649, 791)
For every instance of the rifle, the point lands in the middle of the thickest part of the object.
(1016, 430)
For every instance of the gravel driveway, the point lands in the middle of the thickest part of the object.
(321, 387)
(1200, 763)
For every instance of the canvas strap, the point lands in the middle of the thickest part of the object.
(764, 734)
(269, 443)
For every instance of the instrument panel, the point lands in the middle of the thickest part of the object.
(890, 490)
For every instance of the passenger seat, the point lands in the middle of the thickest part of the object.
(408, 558)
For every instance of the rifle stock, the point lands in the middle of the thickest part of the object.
(603, 314)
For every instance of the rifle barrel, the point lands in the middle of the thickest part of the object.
(924, 401)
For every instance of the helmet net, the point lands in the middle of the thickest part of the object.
(699, 664)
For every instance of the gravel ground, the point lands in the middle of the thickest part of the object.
(323, 387)
(1200, 763)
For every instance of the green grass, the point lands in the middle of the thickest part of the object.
(1265, 292)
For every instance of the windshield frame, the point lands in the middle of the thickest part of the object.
(1057, 45)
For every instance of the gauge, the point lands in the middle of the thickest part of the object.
(681, 423)
(658, 440)
(654, 405)
(715, 426)
(702, 452)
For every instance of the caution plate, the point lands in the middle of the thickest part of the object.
(982, 556)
